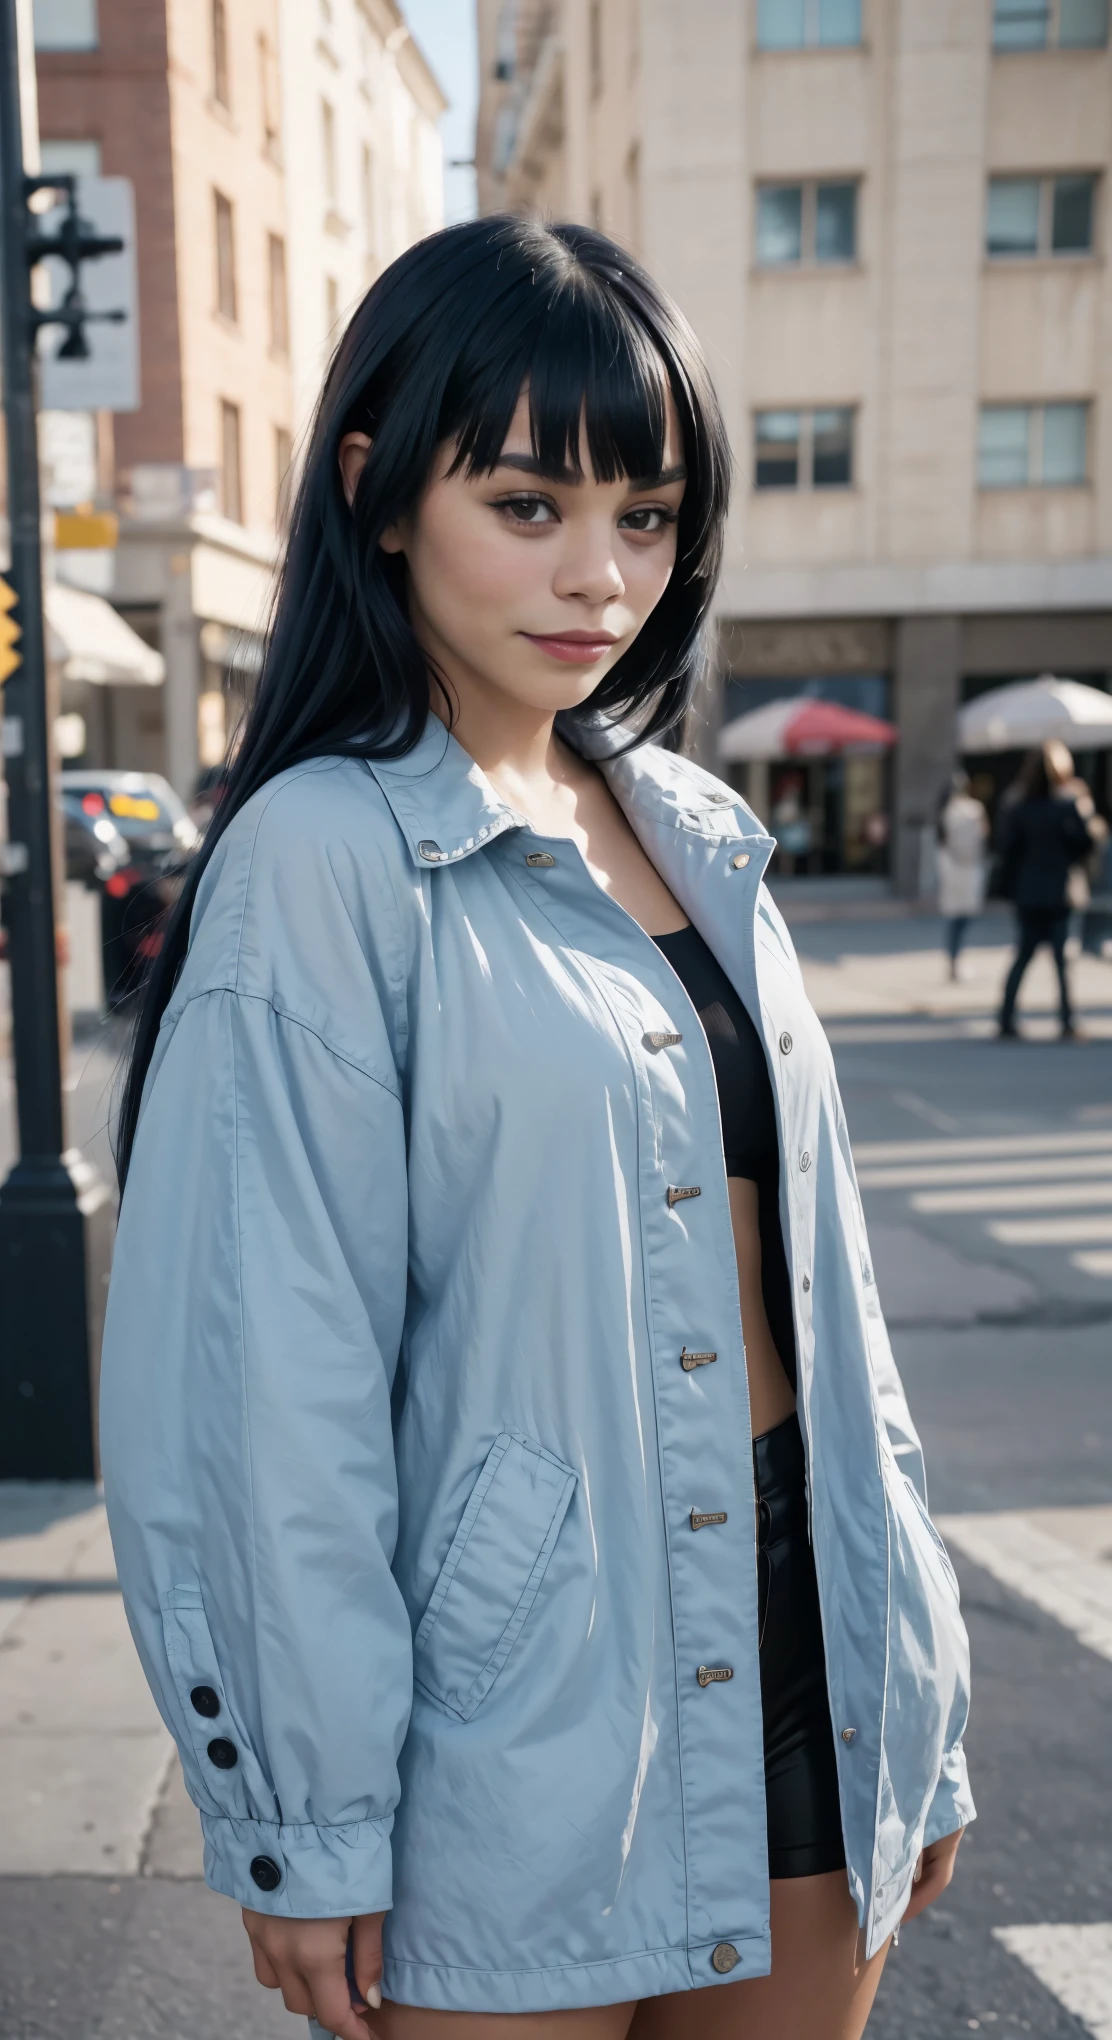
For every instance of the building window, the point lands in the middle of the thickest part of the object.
(65, 24)
(1049, 24)
(283, 477)
(328, 152)
(803, 449)
(799, 24)
(70, 159)
(1028, 216)
(268, 100)
(225, 257)
(805, 223)
(1032, 446)
(367, 186)
(594, 37)
(278, 294)
(331, 309)
(220, 88)
(231, 471)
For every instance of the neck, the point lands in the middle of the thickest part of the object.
(513, 742)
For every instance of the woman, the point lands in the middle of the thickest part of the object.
(1044, 839)
(962, 834)
(427, 1416)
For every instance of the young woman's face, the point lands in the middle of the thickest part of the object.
(529, 584)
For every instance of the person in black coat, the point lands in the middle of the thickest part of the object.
(1043, 837)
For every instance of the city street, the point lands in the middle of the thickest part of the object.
(986, 1170)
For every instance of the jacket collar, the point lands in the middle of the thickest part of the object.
(446, 807)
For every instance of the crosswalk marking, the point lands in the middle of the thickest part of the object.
(1075, 1963)
(1027, 1169)
(1093, 1264)
(1013, 1197)
(1051, 1232)
(1062, 1578)
(983, 1148)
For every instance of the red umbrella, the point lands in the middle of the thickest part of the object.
(804, 727)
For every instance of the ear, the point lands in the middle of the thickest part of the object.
(354, 448)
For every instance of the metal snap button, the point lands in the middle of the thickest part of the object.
(740, 861)
(432, 853)
(725, 1958)
(806, 1282)
(805, 1160)
(848, 1734)
(539, 857)
(721, 799)
(223, 1754)
(690, 1360)
(701, 1518)
(660, 1040)
(785, 1043)
(265, 1873)
(678, 1191)
(205, 1701)
(714, 1675)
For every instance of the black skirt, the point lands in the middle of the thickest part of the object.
(801, 1770)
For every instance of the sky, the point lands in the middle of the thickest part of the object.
(445, 30)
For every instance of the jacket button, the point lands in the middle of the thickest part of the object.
(677, 1192)
(721, 799)
(785, 1043)
(725, 1958)
(806, 1283)
(714, 1675)
(205, 1701)
(804, 1160)
(265, 1873)
(659, 1039)
(432, 853)
(223, 1754)
(539, 857)
(848, 1734)
(740, 861)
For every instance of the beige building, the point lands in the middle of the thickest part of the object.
(279, 150)
(889, 223)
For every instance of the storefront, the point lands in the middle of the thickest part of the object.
(827, 796)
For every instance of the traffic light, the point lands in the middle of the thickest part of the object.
(9, 632)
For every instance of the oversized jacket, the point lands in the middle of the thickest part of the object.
(423, 1344)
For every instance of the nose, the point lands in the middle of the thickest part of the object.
(588, 569)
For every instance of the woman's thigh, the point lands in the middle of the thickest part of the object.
(408, 2022)
(821, 1987)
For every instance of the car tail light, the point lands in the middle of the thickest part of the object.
(93, 803)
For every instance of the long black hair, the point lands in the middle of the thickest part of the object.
(440, 350)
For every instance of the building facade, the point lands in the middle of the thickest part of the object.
(257, 228)
(889, 223)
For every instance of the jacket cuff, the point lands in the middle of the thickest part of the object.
(952, 1806)
(303, 1873)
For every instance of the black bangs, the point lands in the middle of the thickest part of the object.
(439, 351)
(583, 359)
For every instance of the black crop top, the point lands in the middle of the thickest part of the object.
(748, 1112)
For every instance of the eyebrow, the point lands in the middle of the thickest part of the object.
(527, 464)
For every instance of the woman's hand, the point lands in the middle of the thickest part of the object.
(932, 1874)
(305, 1960)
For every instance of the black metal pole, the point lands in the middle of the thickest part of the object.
(46, 1428)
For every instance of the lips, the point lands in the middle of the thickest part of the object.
(573, 647)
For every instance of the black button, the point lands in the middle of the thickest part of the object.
(223, 1754)
(205, 1701)
(266, 1874)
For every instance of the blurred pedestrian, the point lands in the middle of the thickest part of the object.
(1044, 838)
(452, 1189)
(963, 829)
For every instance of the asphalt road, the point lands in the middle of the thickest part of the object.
(1005, 1343)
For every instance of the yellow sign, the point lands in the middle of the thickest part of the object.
(130, 808)
(9, 633)
(79, 530)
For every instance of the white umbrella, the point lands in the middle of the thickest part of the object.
(1033, 711)
(91, 641)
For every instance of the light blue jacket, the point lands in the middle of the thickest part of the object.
(399, 1442)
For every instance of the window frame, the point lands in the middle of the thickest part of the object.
(804, 484)
(1036, 411)
(224, 215)
(1044, 249)
(811, 38)
(231, 436)
(278, 294)
(88, 40)
(808, 259)
(1052, 42)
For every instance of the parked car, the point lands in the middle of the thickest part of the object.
(127, 837)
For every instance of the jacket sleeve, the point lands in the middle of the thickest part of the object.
(254, 1323)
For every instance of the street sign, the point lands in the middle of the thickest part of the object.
(9, 632)
(108, 378)
(85, 530)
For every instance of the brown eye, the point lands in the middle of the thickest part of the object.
(651, 519)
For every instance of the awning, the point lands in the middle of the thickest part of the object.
(90, 641)
(1032, 711)
(803, 726)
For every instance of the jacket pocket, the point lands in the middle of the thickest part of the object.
(924, 1519)
(492, 1573)
(224, 1775)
